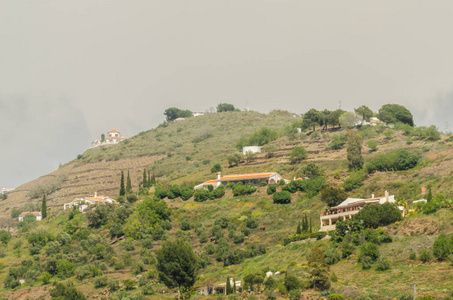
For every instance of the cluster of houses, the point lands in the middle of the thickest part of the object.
(84, 203)
(253, 178)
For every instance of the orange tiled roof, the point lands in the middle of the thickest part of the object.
(35, 213)
(96, 199)
(211, 181)
(247, 176)
(113, 130)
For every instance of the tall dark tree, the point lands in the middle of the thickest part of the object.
(354, 149)
(153, 180)
(229, 289)
(174, 113)
(177, 265)
(44, 207)
(299, 230)
(122, 188)
(429, 197)
(312, 118)
(128, 184)
(145, 180)
(320, 270)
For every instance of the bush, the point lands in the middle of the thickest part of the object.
(238, 237)
(100, 281)
(218, 192)
(382, 264)
(369, 250)
(335, 297)
(292, 283)
(372, 144)
(251, 222)
(338, 141)
(298, 154)
(45, 277)
(332, 256)
(201, 195)
(15, 212)
(271, 188)
(65, 268)
(186, 193)
(216, 168)
(354, 181)
(282, 197)
(294, 294)
(425, 255)
(240, 189)
(398, 160)
(245, 231)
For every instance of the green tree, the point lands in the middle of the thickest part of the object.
(291, 283)
(312, 118)
(128, 184)
(145, 180)
(102, 138)
(372, 144)
(177, 265)
(298, 154)
(216, 168)
(282, 197)
(234, 159)
(365, 112)
(44, 207)
(354, 149)
(429, 197)
(333, 196)
(229, 289)
(442, 247)
(64, 292)
(394, 113)
(122, 188)
(225, 107)
(5, 237)
(375, 215)
(174, 113)
(320, 270)
(349, 120)
(299, 230)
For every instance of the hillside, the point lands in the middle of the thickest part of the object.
(182, 153)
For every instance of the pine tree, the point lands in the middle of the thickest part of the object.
(298, 231)
(44, 207)
(145, 180)
(128, 184)
(122, 189)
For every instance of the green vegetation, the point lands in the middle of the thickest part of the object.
(397, 160)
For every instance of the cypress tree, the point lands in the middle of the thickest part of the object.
(234, 286)
(228, 286)
(310, 226)
(429, 197)
(153, 179)
(44, 207)
(354, 150)
(122, 189)
(298, 231)
(149, 179)
(145, 180)
(128, 184)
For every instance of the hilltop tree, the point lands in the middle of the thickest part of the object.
(128, 184)
(177, 265)
(348, 119)
(312, 118)
(225, 107)
(122, 188)
(354, 149)
(394, 113)
(44, 207)
(365, 112)
(174, 113)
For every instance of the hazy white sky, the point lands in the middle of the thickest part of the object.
(71, 70)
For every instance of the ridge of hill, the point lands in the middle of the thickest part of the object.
(182, 153)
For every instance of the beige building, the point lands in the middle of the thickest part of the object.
(348, 208)
(113, 137)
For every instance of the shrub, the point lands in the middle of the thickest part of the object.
(201, 195)
(218, 192)
(216, 168)
(332, 256)
(282, 197)
(245, 231)
(238, 237)
(100, 281)
(374, 215)
(240, 189)
(298, 154)
(15, 212)
(65, 268)
(291, 283)
(354, 181)
(186, 193)
(382, 264)
(82, 272)
(369, 250)
(251, 222)
(335, 297)
(398, 160)
(441, 247)
(45, 277)
(294, 294)
(271, 188)
(113, 284)
(185, 224)
(425, 255)
(372, 144)
(338, 141)
(160, 193)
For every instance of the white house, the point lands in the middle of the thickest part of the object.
(7, 190)
(256, 178)
(37, 215)
(113, 137)
(84, 203)
(220, 288)
(253, 149)
(348, 208)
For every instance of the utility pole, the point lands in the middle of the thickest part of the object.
(415, 292)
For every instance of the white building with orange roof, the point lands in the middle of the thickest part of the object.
(37, 215)
(84, 203)
(256, 178)
(113, 137)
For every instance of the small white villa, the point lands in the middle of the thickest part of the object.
(84, 203)
(37, 215)
(113, 137)
(252, 149)
(219, 288)
(348, 208)
(7, 190)
(256, 178)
